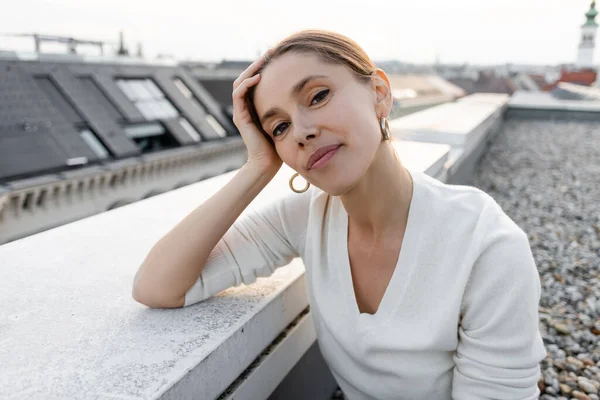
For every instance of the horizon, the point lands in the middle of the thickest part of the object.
(540, 33)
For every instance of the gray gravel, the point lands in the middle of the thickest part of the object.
(546, 176)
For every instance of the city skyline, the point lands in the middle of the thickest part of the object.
(462, 31)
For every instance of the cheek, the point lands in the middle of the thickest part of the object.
(360, 127)
(288, 153)
(364, 139)
(353, 117)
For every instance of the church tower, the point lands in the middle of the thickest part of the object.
(585, 58)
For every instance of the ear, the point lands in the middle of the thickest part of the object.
(384, 100)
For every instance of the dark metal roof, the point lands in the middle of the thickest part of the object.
(220, 88)
(218, 81)
(238, 65)
(540, 80)
(45, 105)
(486, 83)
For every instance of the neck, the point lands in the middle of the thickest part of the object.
(379, 202)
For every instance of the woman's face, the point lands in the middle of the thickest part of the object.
(323, 120)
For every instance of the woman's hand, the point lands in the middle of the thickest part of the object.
(261, 153)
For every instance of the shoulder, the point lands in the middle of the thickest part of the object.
(298, 205)
(455, 202)
(456, 207)
(499, 247)
(447, 196)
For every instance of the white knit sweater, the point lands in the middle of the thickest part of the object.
(459, 319)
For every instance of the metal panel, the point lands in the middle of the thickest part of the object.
(89, 97)
(27, 152)
(99, 119)
(100, 98)
(195, 114)
(58, 99)
(219, 88)
(178, 131)
(38, 108)
(107, 84)
(208, 101)
(26, 108)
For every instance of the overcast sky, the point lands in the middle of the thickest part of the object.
(474, 31)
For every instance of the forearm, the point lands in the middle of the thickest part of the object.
(177, 259)
(500, 347)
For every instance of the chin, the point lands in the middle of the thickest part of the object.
(337, 187)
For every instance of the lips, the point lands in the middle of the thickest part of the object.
(320, 153)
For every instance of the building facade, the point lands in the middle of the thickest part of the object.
(587, 44)
(80, 136)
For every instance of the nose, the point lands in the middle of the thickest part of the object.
(305, 129)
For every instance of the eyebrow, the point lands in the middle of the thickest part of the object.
(295, 91)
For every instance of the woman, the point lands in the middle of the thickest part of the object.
(418, 290)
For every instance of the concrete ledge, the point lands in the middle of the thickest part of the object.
(545, 101)
(455, 124)
(558, 114)
(427, 157)
(267, 372)
(467, 126)
(313, 369)
(73, 330)
(70, 329)
(497, 99)
(237, 349)
(578, 92)
(544, 106)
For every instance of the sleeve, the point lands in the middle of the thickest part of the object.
(500, 346)
(260, 240)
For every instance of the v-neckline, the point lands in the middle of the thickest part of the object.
(400, 277)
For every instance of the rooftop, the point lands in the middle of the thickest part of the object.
(60, 116)
(71, 329)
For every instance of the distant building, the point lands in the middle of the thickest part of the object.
(486, 82)
(540, 80)
(570, 91)
(510, 78)
(217, 78)
(584, 71)
(585, 57)
(82, 135)
(414, 93)
(584, 77)
(528, 82)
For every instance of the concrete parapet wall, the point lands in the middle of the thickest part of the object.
(544, 106)
(467, 126)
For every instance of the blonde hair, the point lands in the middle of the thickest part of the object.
(330, 47)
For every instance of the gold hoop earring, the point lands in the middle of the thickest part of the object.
(385, 128)
(292, 184)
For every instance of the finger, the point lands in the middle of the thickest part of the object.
(242, 89)
(239, 96)
(251, 70)
(248, 72)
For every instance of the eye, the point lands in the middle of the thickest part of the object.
(319, 96)
(279, 129)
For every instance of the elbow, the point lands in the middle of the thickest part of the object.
(152, 298)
